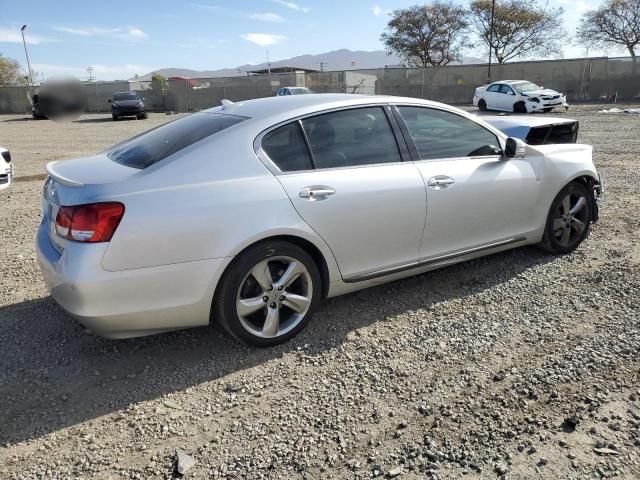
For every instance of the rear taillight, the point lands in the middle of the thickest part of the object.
(91, 223)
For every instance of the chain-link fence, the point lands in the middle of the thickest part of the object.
(593, 79)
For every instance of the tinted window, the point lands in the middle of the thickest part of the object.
(440, 134)
(354, 137)
(505, 89)
(286, 148)
(157, 144)
(124, 96)
(493, 88)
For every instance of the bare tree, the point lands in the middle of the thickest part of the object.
(521, 28)
(10, 73)
(427, 35)
(616, 23)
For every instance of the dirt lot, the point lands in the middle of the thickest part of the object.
(519, 365)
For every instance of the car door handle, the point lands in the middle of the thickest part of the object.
(440, 181)
(316, 192)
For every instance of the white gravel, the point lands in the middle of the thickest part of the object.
(520, 365)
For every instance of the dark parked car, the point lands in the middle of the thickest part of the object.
(127, 104)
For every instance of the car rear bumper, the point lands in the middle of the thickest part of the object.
(127, 303)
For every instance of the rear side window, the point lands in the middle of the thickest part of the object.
(439, 134)
(286, 147)
(359, 136)
(157, 144)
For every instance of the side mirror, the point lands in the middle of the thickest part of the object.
(109, 100)
(514, 148)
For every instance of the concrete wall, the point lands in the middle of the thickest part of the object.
(15, 100)
(580, 79)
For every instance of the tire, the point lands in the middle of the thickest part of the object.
(547, 110)
(264, 307)
(555, 238)
(519, 107)
(142, 116)
(482, 106)
(115, 117)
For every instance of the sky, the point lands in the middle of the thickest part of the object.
(121, 39)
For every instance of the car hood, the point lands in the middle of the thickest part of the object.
(97, 169)
(541, 92)
(126, 103)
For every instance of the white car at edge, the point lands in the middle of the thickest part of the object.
(519, 96)
(6, 168)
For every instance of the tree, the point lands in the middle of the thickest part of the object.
(427, 35)
(616, 23)
(158, 83)
(521, 28)
(10, 73)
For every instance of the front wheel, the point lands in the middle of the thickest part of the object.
(482, 106)
(569, 219)
(268, 294)
(547, 110)
(519, 107)
(114, 117)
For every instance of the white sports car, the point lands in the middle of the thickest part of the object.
(6, 168)
(518, 96)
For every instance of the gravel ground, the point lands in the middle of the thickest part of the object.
(519, 365)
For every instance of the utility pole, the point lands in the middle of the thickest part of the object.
(493, 11)
(269, 72)
(26, 54)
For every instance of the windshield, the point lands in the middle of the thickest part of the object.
(119, 97)
(157, 144)
(525, 87)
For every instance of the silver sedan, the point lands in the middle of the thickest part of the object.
(249, 214)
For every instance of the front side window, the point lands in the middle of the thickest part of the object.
(359, 136)
(438, 134)
(506, 89)
(286, 147)
(157, 144)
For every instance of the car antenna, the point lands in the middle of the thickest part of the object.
(226, 103)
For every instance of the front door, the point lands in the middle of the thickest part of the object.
(475, 195)
(353, 190)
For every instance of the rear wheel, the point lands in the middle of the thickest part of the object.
(268, 294)
(569, 219)
(115, 117)
(482, 106)
(519, 107)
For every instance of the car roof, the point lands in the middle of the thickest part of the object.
(291, 106)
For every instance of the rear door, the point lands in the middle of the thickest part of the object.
(345, 175)
(475, 196)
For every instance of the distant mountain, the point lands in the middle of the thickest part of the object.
(336, 60)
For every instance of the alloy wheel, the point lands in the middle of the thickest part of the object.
(571, 219)
(274, 297)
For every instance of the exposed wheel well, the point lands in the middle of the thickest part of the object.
(592, 184)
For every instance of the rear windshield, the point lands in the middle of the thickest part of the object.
(120, 97)
(157, 144)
